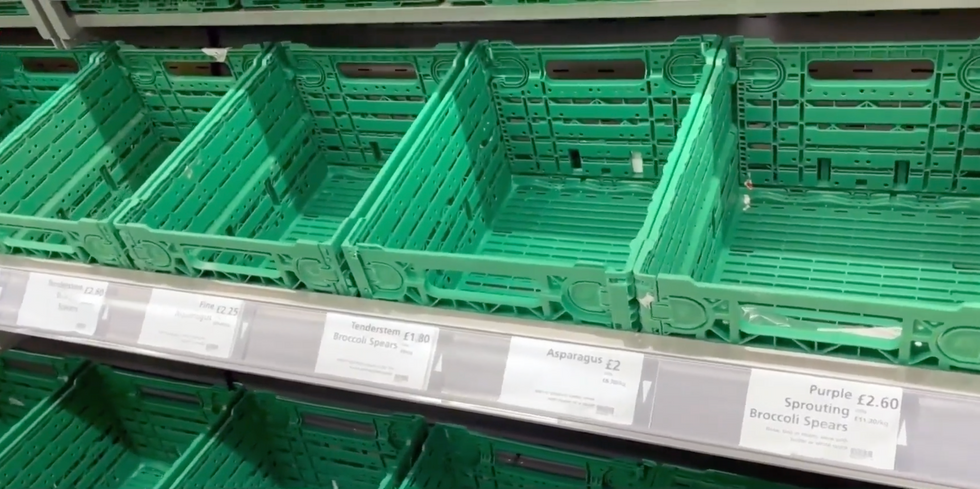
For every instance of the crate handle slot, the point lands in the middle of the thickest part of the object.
(334, 424)
(913, 69)
(62, 65)
(166, 395)
(45, 369)
(539, 465)
(380, 71)
(197, 68)
(876, 332)
(626, 69)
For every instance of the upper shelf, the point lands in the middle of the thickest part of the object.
(881, 423)
(448, 13)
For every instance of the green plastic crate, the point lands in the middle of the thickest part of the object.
(454, 458)
(149, 6)
(12, 8)
(271, 442)
(834, 208)
(29, 383)
(533, 183)
(263, 190)
(93, 143)
(674, 477)
(332, 4)
(114, 430)
(29, 76)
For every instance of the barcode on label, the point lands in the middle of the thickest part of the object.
(861, 454)
(401, 378)
(605, 410)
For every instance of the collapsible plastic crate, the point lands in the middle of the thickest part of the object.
(29, 384)
(263, 191)
(29, 76)
(272, 442)
(454, 458)
(842, 220)
(332, 4)
(149, 6)
(533, 183)
(114, 430)
(93, 143)
(12, 8)
(674, 477)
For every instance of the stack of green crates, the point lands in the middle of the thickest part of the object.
(149, 6)
(264, 190)
(114, 430)
(29, 384)
(533, 183)
(271, 442)
(93, 143)
(833, 208)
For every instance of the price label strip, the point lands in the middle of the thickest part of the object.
(192, 323)
(573, 380)
(829, 419)
(381, 351)
(62, 304)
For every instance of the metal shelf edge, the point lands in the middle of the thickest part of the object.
(941, 396)
(448, 13)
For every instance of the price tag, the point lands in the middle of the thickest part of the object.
(574, 380)
(830, 419)
(192, 323)
(62, 304)
(377, 350)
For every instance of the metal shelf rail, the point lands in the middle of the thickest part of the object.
(892, 425)
(64, 29)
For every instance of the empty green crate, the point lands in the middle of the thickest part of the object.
(675, 477)
(454, 458)
(331, 4)
(262, 192)
(834, 208)
(533, 182)
(271, 442)
(113, 430)
(149, 6)
(93, 143)
(12, 8)
(29, 383)
(29, 76)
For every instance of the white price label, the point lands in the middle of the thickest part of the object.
(63, 304)
(574, 380)
(192, 323)
(815, 417)
(376, 350)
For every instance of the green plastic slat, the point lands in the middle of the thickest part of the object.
(331, 4)
(149, 6)
(263, 190)
(29, 383)
(454, 458)
(843, 219)
(272, 442)
(674, 477)
(114, 430)
(533, 182)
(12, 8)
(93, 143)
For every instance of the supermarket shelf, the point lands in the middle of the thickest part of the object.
(448, 13)
(12, 21)
(684, 394)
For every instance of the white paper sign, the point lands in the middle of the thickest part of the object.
(62, 304)
(192, 323)
(829, 419)
(571, 379)
(377, 350)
